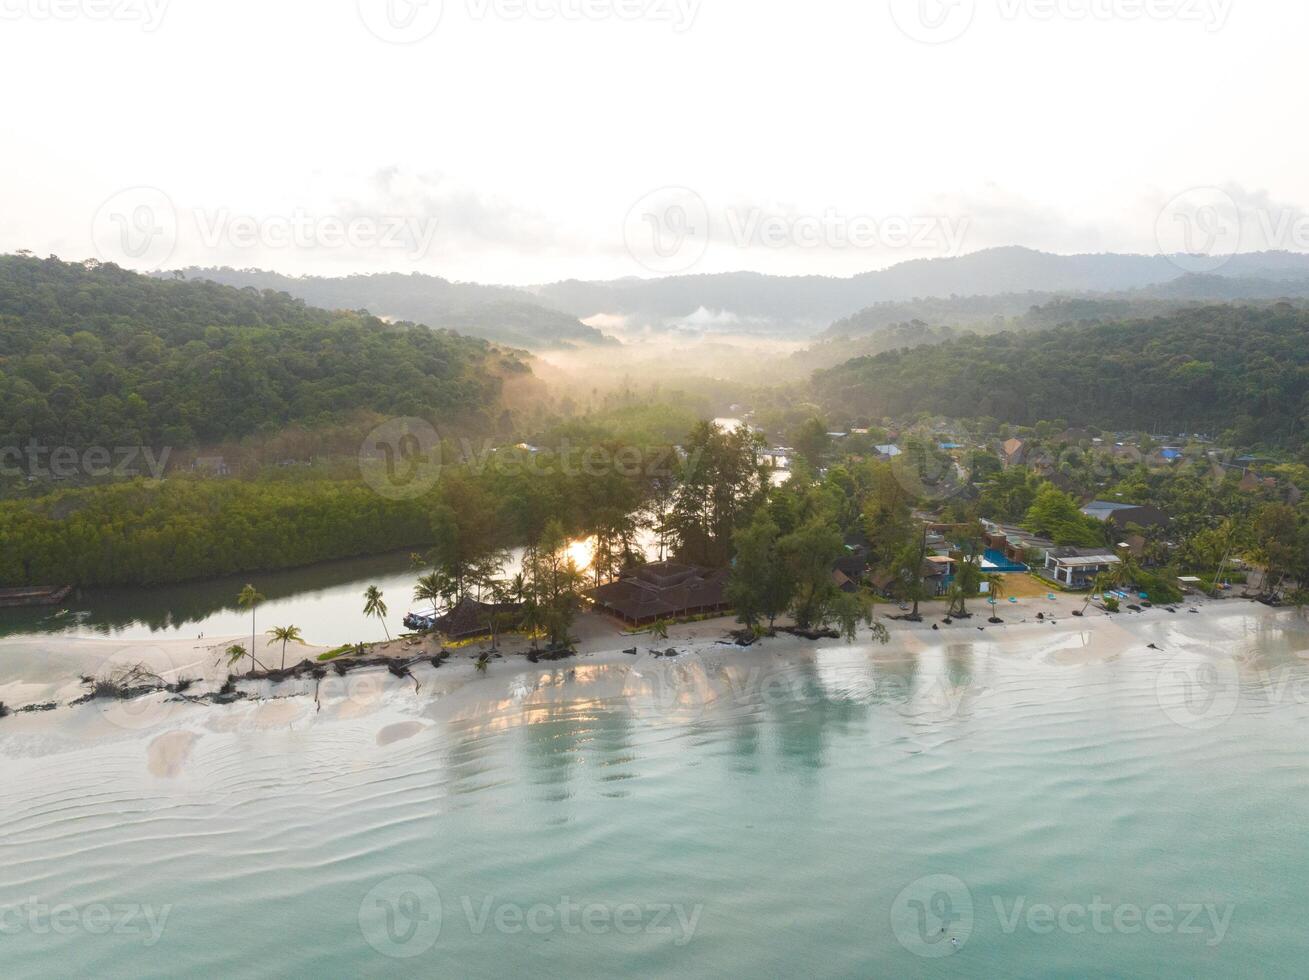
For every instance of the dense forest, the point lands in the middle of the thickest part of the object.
(1237, 370)
(92, 354)
(151, 532)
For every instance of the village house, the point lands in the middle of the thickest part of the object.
(1013, 452)
(1078, 568)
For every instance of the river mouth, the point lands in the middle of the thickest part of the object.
(795, 810)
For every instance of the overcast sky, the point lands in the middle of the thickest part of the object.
(530, 140)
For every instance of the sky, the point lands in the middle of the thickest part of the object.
(526, 141)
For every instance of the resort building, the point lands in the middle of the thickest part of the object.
(1123, 515)
(663, 590)
(466, 619)
(937, 574)
(1007, 544)
(1078, 568)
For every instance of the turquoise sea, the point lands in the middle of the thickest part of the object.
(1049, 804)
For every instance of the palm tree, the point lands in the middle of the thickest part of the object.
(659, 629)
(997, 588)
(429, 589)
(287, 634)
(518, 588)
(374, 606)
(250, 598)
(1097, 588)
(235, 654)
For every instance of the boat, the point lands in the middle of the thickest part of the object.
(421, 619)
(34, 595)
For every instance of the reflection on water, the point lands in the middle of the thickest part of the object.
(325, 601)
(792, 799)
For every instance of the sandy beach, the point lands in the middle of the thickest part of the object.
(694, 666)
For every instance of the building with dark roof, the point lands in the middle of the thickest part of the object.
(1122, 515)
(469, 618)
(663, 590)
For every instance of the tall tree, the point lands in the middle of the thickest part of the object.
(810, 554)
(375, 605)
(761, 583)
(250, 598)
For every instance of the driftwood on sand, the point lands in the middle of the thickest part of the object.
(818, 634)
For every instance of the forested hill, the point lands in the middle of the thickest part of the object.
(94, 355)
(498, 313)
(1241, 370)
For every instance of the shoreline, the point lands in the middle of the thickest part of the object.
(45, 672)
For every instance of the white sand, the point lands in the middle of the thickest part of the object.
(36, 671)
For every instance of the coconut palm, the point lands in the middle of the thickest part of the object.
(286, 634)
(997, 588)
(374, 606)
(429, 589)
(250, 598)
(235, 654)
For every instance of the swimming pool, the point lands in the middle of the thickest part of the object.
(994, 560)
